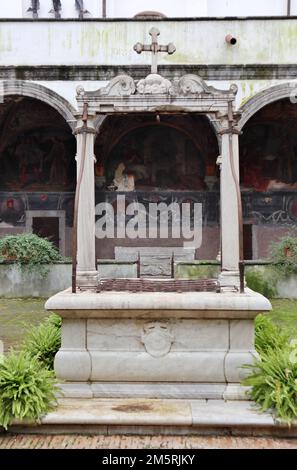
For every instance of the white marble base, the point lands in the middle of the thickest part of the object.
(156, 345)
(155, 416)
(154, 390)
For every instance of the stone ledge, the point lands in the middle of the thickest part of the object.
(171, 417)
(118, 304)
(154, 390)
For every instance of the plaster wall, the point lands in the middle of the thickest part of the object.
(260, 41)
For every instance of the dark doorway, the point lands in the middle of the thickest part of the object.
(248, 241)
(47, 227)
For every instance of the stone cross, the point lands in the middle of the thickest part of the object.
(154, 48)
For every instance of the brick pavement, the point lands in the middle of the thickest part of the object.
(34, 441)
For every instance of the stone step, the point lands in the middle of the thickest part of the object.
(155, 416)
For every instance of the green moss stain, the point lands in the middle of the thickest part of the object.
(188, 271)
(286, 40)
(93, 40)
(250, 88)
(248, 91)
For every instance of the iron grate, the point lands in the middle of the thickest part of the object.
(158, 285)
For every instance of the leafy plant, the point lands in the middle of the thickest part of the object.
(259, 282)
(284, 255)
(43, 341)
(274, 382)
(27, 389)
(273, 378)
(29, 251)
(268, 335)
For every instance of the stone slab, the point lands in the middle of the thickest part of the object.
(188, 335)
(128, 253)
(143, 390)
(116, 270)
(158, 414)
(187, 304)
(230, 413)
(120, 412)
(236, 392)
(156, 417)
(76, 390)
(140, 366)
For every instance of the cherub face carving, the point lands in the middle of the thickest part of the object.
(157, 339)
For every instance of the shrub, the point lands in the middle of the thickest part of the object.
(260, 283)
(268, 335)
(43, 341)
(29, 250)
(284, 255)
(27, 389)
(273, 378)
(274, 382)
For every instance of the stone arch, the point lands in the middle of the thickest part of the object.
(264, 97)
(215, 126)
(41, 93)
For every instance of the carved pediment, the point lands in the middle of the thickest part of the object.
(122, 85)
(188, 86)
(153, 84)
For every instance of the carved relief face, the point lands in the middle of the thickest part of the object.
(157, 339)
(153, 84)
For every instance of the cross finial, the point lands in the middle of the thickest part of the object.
(154, 48)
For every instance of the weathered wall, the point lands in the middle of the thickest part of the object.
(68, 48)
(266, 276)
(16, 282)
(260, 41)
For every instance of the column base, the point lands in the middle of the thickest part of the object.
(229, 279)
(87, 279)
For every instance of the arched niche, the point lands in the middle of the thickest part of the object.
(163, 152)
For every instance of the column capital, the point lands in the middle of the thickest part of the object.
(230, 130)
(85, 127)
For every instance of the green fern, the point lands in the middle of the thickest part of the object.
(268, 335)
(44, 341)
(27, 389)
(274, 382)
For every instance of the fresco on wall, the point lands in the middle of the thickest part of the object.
(36, 147)
(157, 158)
(145, 154)
(268, 149)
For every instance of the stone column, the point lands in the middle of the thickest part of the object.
(229, 209)
(86, 257)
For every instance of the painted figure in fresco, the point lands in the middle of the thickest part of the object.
(269, 157)
(30, 159)
(135, 165)
(122, 181)
(57, 160)
(157, 160)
